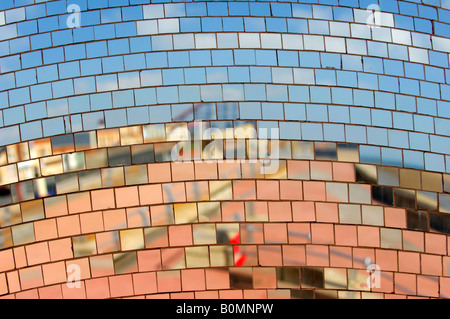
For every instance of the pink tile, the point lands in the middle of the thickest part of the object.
(20, 257)
(68, 225)
(346, 235)
(205, 170)
(206, 295)
(298, 169)
(409, 262)
(231, 294)
(121, 286)
(103, 199)
(386, 259)
(386, 282)
(60, 249)
(394, 217)
(428, 286)
(233, 211)
(114, 219)
(431, 265)
(182, 171)
(267, 190)
(405, 284)
(368, 236)
(343, 172)
(322, 233)
(444, 287)
(91, 222)
(294, 255)
(340, 257)
(50, 292)
(127, 197)
(280, 211)
(269, 255)
(54, 273)
(169, 281)
(45, 229)
(101, 265)
(30, 294)
(13, 281)
(291, 190)
(317, 255)
(6, 260)
(150, 194)
(159, 173)
(435, 243)
(74, 293)
(217, 278)
(303, 211)
(149, 260)
(244, 190)
(314, 191)
(193, 279)
(180, 235)
(31, 277)
(361, 255)
(3, 285)
(275, 233)
(299, 233)
(144, 283)
(97, 288)
(327, 213)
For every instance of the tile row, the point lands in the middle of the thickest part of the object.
(182, 286)
(340, 10)
(286, 275)
(202, 202)
(429, 21)
(395, 145)
(270, 66)
(134, 52)
(391, 186)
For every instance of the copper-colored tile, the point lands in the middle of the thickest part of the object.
(275, 233)
(68, 225)
(114, 219)
(270, 255)
(303, 211)
(291, 190)
(103, 199)
(158, 173)
(91, 222)
(54, 273)
(386, 259)
(314, 190)
(193, 279)
(121, 286)
(60, 249)
(168, 280)
(267, 190)
(217, 278)
(294, 255)
(97, 288)
(45, 229)
(280, 211)
(144, 283)
(101, 265)
(37, 253)
(149, 260)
